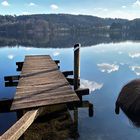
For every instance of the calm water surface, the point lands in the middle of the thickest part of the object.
(105, 68)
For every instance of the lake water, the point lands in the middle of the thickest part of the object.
(105, 68)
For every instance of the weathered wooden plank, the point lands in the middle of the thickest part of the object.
(48, 87)
(39, 98)
(20, 126)
(35, 73)
(49, 73)
(38, 56)
(49, 95)
(38, 69)
(21, 63)
(40, 82)
(42, 92)
(41, 63)
(43, 102)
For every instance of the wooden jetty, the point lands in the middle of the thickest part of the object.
(39, 85)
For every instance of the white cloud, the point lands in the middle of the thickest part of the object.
(121, 14)
(136, 69)
(5, 3)
(105, 67)
(128, 14)
(123, 6)
(136, 3)
(32, 4)
(11, 56)
(92, 85)
(54, 7)
(56, 53)
(134, 55)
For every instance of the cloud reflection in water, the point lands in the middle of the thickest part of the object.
(10, 56)
(136, 69)
(56, 53)
(92, 85)
(105, 67)
(134, 55)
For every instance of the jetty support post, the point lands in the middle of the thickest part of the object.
(76, 79)
(75, 119)
(91, 110)
(76, 65)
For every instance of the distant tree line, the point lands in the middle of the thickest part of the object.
(52, 23)
(132, 26)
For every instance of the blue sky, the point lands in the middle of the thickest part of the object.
(129, 9)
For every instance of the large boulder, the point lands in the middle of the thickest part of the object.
(129, 99)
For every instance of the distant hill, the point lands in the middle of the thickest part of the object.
(72, 20)
(52, 23)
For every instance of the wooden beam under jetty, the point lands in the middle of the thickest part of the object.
(67, 73)
(12, 78)
(81, 92)
(11, 84)
(82, 104)
(57, 62)
(71, 81)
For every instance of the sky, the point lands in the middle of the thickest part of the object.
(128, 9)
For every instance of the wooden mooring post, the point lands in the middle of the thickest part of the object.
(76, 65)
(76, 79)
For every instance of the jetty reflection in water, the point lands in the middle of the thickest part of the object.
(55, 122)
